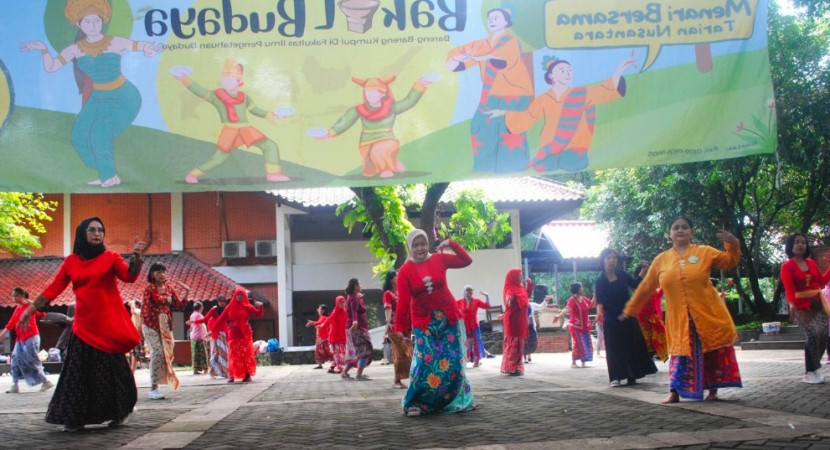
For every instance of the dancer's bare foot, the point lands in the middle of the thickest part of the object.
(672, 398)
(712, 397)
(399, 385)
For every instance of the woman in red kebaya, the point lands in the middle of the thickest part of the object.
(337, 337)
(322, 348)
(803, 281)
(516, 304)
(427, 310)
(103, 333)
(241, 358)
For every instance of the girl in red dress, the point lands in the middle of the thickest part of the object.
(579, 325)
(337, 336)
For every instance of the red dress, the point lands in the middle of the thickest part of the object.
(241, 358)
(469, 311)
(515, 323)
(322, 349)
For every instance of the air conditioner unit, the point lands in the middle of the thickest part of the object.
(265, 249)
(234, 249)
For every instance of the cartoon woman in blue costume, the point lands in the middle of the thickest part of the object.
(113, 102)
(506, 85)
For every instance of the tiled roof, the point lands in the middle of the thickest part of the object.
(36, 273)
(576, 238)
(499, 190)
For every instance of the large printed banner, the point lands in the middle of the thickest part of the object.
(174, 95)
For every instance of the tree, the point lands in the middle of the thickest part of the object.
(384, 211)
(21, 216)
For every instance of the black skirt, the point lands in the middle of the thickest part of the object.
(94, 387)
(625, 351)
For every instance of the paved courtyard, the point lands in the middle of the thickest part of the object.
(552, 406)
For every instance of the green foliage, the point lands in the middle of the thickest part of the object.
(754, 325)
(395, 224)
(588, 279)
(476, 223)
(21, 216)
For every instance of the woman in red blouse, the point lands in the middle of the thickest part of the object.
(241, 358)
(803, 281)
(159, 300)
(322, 348)
(337, 335)
(579, 326)
(427, 309)
(516, 303)
(96, 384)
(25, 360)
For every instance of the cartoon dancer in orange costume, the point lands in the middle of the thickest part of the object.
(233, 107)
(378, 145)
(569, 115)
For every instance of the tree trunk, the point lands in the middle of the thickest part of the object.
(431, 198)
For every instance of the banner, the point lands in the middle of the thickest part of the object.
(177, 96)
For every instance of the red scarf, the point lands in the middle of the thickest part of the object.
(381, 113)
(230, 103)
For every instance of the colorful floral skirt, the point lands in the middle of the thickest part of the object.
(582, 349)
(512, 358)
(654, 333)
(198, 354)
(26, 363)
(690, 375)
(94, 387)
(161, 356)
(438, 382)
(322, 351)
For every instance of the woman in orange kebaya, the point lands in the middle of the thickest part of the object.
(699, 329)
(506, 85)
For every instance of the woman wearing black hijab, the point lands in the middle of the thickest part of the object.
(96, 384)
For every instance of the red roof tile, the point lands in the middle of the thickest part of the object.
(34, 274)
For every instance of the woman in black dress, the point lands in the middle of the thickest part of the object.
(626, 352)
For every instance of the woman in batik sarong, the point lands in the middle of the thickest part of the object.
(322, 348)
(25, 362)
(156, 313)
(516, 305)
(427, 309)
(579, 325)
(803, 281)
(378, 145)
(198, 335)
(506, 85)
(700, 331)
(569, 115)
(241, 357)
(626, 353)
(337, 336)
(401, 348)
(109, 101)
(359, 351)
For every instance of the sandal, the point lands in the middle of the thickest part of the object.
(345, 376)
(413, 412)
(363, 378)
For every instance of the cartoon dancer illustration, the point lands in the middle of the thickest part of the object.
(506, 85)
(378, 145)
(233, 107)
(110, 102)
(569, 115)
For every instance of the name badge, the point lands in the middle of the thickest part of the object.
(694, 259)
